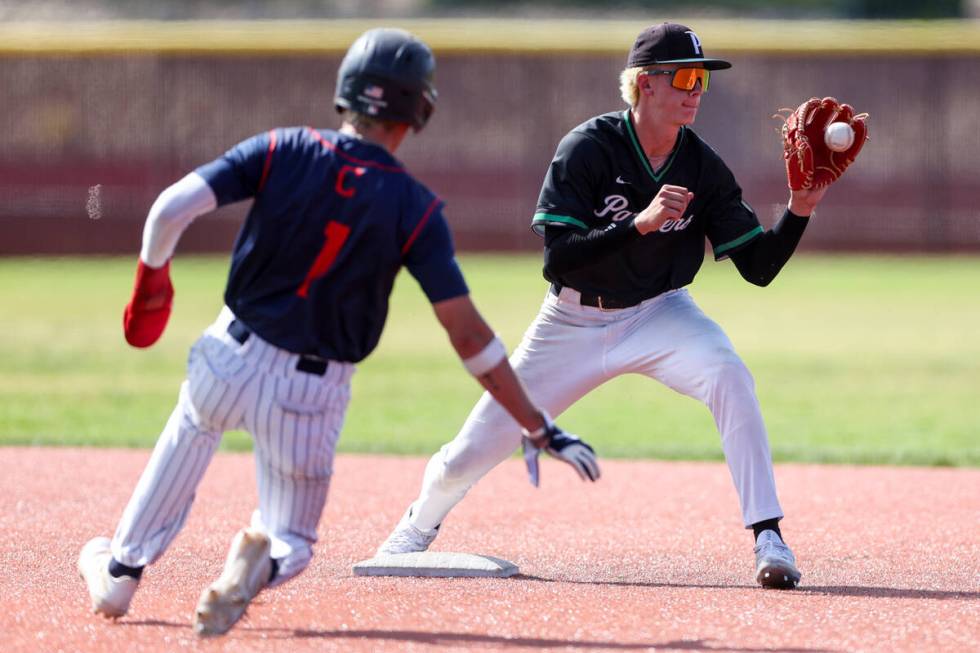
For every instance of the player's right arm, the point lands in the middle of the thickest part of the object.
(430, 258)
(573, 236)
(148, 310)
(485, 356)
(236, 175)
(567, 250)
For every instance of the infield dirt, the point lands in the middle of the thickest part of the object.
(653, 557)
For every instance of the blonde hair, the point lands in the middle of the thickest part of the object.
(629, 88)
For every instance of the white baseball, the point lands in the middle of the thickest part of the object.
(838, 136)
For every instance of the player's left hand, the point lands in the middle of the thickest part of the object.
(148, 310)
(803, 201)
(563, 446)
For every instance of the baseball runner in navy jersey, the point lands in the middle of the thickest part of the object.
(625, 208)
(334, 218)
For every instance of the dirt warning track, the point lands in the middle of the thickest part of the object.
(653, 557)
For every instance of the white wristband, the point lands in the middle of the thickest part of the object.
(543, 430)
(487, 359)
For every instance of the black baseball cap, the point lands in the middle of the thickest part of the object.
(670, 43)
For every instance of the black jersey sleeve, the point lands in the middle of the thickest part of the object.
(567, 193)
(567, 250)
(731, 224)
(761, 260)
(240, 172)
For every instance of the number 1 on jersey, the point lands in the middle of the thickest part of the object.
(336, 234)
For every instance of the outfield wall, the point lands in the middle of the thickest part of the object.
(99, 118)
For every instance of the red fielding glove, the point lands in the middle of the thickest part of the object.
(148, 310)
(809, 162)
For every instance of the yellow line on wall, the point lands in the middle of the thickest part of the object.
(491, 36)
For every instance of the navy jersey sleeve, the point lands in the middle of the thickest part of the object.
(429, 255)
(566, 198)
(732, 224)
(242, 170)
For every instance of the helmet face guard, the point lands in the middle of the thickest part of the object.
(387, 74)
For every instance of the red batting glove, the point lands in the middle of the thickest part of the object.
(148, 310)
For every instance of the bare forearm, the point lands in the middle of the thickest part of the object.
(504, 386)
(486, 358)
(500, 381)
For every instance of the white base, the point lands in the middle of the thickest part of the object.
(435, 564)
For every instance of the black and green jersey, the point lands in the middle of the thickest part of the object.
(600, 176)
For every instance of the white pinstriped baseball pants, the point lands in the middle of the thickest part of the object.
(571, 349)
(295, 419)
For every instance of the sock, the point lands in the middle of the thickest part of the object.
(766, 525)
(275, 570)
(117, 569)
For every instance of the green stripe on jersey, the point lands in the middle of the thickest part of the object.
(721, 249)
(551, 217)
(643, 156)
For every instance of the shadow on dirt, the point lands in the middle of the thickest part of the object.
(833, 590)
(462, 639)
(891, 593)
(153, 622)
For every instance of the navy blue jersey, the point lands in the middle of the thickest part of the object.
(333, 221)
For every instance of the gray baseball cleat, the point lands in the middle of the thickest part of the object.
(247, 570)
(110, 595)
(775, 565)
(406, 538)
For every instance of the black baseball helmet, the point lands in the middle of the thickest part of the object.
(387, 74)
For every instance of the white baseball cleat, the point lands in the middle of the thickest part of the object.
(775, 565)
(406, 538)
(110, 596)
(247, 570)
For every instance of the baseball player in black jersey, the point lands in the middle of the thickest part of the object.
(625, 208)
(334, 218)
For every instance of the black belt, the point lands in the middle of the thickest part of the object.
(599, 301)
(308, 364)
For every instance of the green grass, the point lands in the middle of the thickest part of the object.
(857, 359)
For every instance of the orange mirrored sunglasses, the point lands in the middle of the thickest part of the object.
(685, 78)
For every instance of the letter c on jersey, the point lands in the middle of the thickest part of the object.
(347, 192)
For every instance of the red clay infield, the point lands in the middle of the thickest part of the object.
(652, 557)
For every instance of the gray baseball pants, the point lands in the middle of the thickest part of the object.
(571, 349)
(295, 419)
